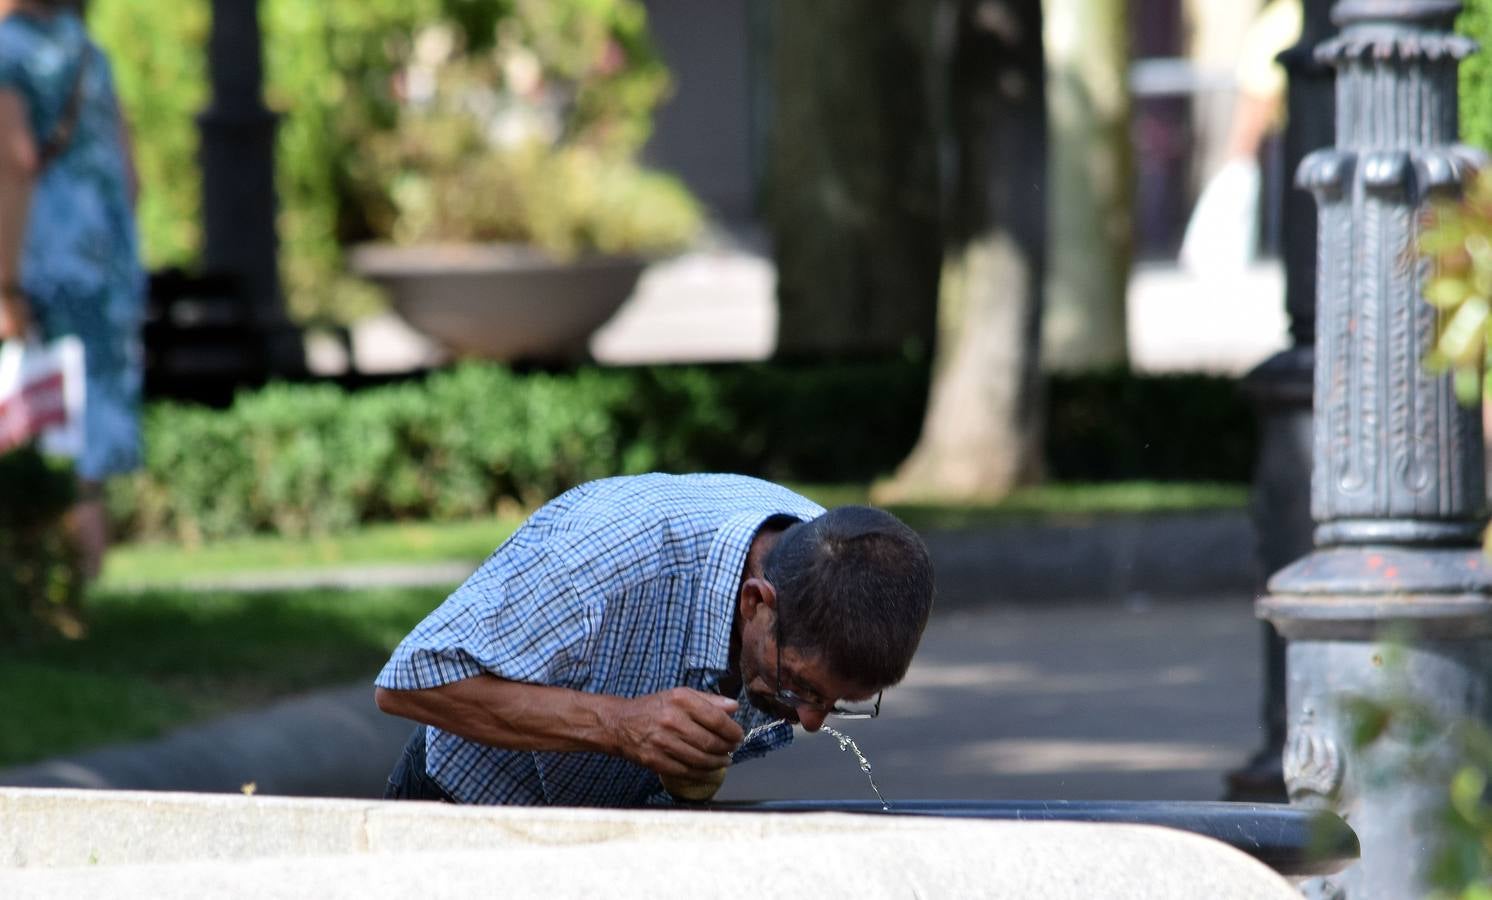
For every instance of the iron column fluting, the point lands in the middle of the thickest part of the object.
(1397, 489)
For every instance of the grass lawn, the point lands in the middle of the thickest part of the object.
(153, 660)
(151, 564)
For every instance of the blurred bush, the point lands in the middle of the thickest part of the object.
(338, 71)
(438, 179)
(301, 459)
(1475, 22)
(41, 585)
(1401, 739)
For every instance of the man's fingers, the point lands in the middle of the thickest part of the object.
(691, 732)
(684, 758)
(707, 736)
(713, 712)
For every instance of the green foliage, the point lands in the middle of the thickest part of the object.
(435, 180)
(531, 141)
(1476, 75)
(316, 459)
(333, 71)
(1457, 231)
(1403, 739)
(1457, 238)
(160, 69)
(40, 583)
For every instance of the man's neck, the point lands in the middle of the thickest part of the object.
(762, 544)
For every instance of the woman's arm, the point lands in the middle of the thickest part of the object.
(19, 167)
(675, 732)
(127, 149)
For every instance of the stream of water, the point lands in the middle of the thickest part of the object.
(848, 743)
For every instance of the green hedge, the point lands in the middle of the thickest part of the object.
(40, 582)
(302, 459)
(1476, 75)
(1118, 426)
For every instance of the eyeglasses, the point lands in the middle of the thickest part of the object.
(850, 709)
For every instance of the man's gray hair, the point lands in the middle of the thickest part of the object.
(856, 586)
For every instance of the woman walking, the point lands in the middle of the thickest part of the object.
(69, 262)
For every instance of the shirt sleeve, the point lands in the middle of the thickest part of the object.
(519, 617)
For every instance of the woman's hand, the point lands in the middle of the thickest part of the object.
(15, 316)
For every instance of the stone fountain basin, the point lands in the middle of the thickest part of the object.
(1292, 841)
(124, 844)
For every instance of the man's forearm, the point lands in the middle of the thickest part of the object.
(675, 732)
(511, 714)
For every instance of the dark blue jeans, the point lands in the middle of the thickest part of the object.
(409, 780)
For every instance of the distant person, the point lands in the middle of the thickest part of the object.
(1223, 232)
(68, 253)
(641, 634)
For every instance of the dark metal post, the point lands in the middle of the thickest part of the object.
(238, 180)
(1397, 482)
(1280, 389)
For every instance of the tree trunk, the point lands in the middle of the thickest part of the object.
(1092, 179)
(852, 189)
(982, 434)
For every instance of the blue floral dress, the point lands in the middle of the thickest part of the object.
(80, 264)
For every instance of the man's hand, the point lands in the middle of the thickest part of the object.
(678, 732)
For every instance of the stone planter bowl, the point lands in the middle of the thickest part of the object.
(498, 301)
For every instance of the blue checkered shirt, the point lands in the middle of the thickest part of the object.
(624, 586)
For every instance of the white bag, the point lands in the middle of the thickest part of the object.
(1222, 236)
(42, 395)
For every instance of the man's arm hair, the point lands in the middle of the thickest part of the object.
(678, 732)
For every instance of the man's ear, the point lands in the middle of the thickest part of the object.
(756, 594)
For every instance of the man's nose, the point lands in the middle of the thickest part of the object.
(811, 719)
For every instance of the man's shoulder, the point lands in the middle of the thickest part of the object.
(667, 493)
(654, 519)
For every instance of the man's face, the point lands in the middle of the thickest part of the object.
(803, 674)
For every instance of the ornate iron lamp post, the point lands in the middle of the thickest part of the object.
(238, 183)
(1397, 488)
